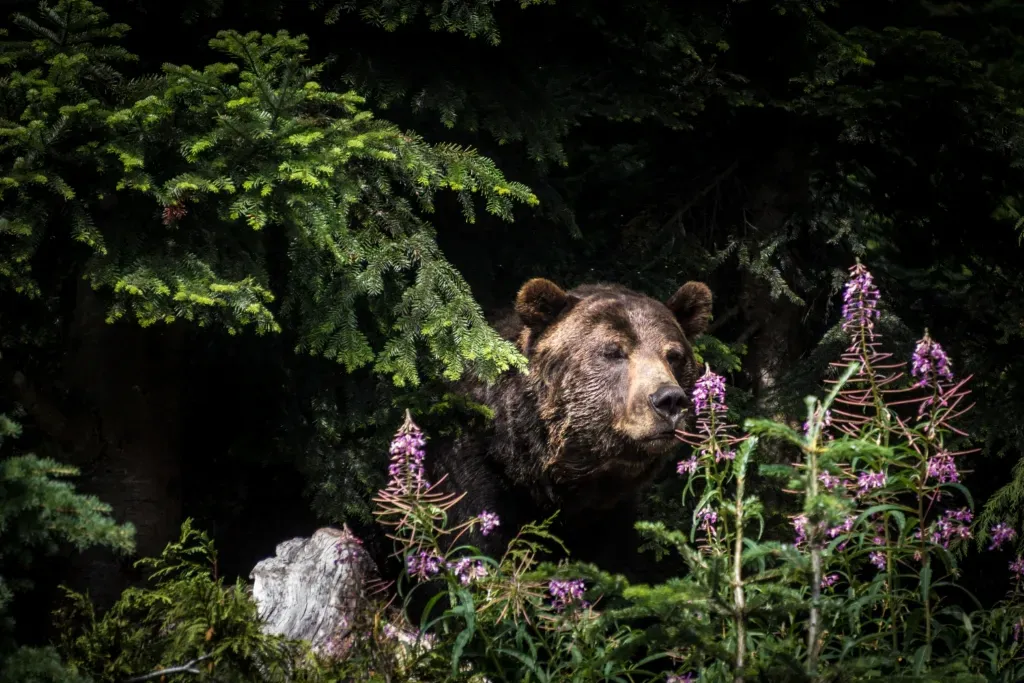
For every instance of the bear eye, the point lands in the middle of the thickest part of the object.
(613, 351)
(674, 356)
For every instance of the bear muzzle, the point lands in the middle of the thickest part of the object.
(653, 415)
(669, 403)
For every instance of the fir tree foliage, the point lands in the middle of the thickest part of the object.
(224, 177)
(39, 512)
(472, 18)
(185, 614)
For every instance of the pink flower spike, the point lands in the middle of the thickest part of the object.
(687, 466)
(488, 522)
(1001, 534)
(943, 468)
(929, 362)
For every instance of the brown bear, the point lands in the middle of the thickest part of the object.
(588, 426)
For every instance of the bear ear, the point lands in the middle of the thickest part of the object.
(540, 301)
(691, 304)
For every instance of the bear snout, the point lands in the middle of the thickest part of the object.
(669, 403)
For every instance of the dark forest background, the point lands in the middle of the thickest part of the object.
(759, 146)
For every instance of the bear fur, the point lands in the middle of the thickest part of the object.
(590, 424)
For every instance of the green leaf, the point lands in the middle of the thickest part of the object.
(774, 429)
(925, 581)
(746, 449)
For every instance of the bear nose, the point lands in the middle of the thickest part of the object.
(669, 401)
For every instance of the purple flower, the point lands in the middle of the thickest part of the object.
(347, 547)
(488, 522)
(721, 455)
(1017, 567)
(565, 593)
(877, 559)
(952, 524)
(800, 526)
(860, 301)
(708, 518)
(844, 528)
(828, 480)
(943, 468)
(1001, 533)
(929, 362)
(869, 480)
(709, 394)
(687, 466)
(826, 422)
(423, 565)
(466, 570)
(829, 581)
(675, 678)
(407, 452)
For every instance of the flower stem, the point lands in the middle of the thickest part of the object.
(739, 596)
(813, 625)
(923, 549)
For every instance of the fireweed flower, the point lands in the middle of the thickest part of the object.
(685, 678)
(877, 559)
(800, 526)
(721, 455)
(1001, 533)
(347, 543)
(828, 480)
(687, 466)
(565, 593)
(860, 301)
(406, 473)
(423, 564)
(869, 480)
(929, 362)
(1017, 567)
(953, 524)
(708, 518)
(710, 409)
(844, 528)
(488, 522)
(709, 394)
(825, 422)
(943, 468)
(829, 581)
(466, 570)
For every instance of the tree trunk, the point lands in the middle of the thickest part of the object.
(314, 589)
(775, 345)
(774, 323)
(123, 435)
(327, 591)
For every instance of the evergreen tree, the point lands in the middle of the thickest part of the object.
(39, 512)
(225, 175)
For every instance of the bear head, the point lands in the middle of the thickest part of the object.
(611, 371)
